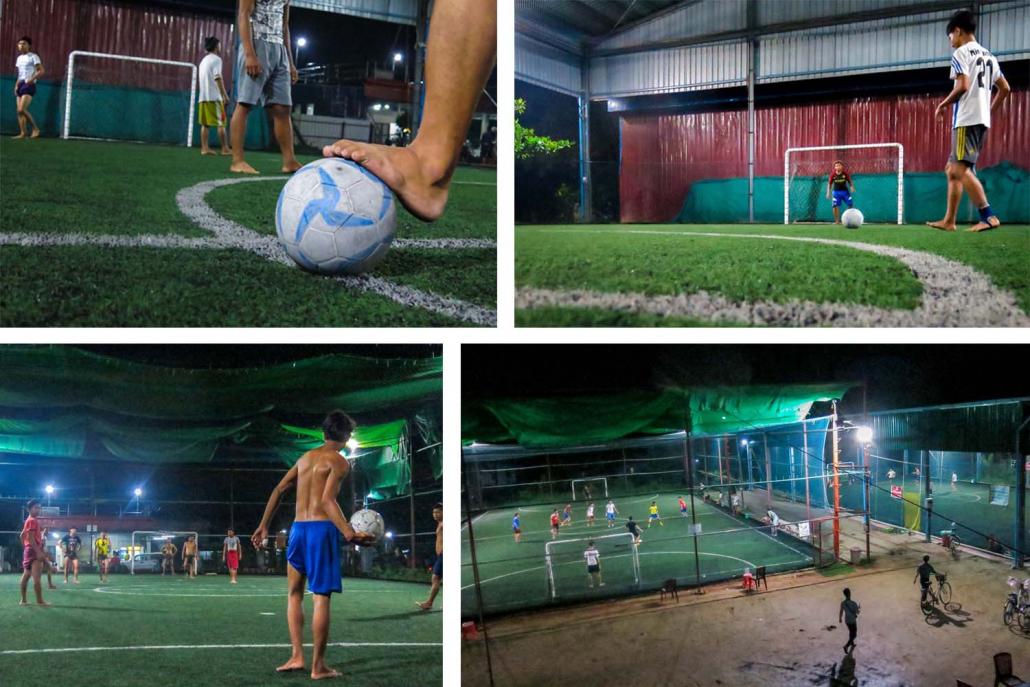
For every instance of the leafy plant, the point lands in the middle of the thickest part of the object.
(528, 144)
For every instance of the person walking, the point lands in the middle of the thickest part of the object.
(849, 611)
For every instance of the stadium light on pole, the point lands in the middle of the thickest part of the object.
(49, 492)
(137, 492)
(301, 42)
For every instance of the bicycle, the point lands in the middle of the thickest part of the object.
(953, 546)
(1018, 604)
(932, 598)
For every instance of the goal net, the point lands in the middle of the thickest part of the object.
(145, 541)
(589, 488)
(876, 169)
(567, 574)
(121, 97)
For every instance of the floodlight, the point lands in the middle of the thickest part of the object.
(49, 489)
(389, 535)
(397, 57)
(743, 442)
(302, 42)
(865, 435)
(352, 444)
(138, 492)
(377, 106)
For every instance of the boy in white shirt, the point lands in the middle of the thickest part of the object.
(593, 559)
(213, 98)
(975, 71)
(30, 68)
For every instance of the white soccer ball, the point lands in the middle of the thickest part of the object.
(335, 217)
(366, 520)
(852, 218)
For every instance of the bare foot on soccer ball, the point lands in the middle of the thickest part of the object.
(991, 223)
(291, 167)
(242, 168)
(325, 672)
(420, 181)
(291, 665)
(941, 225)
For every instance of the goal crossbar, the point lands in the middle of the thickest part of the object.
(148, 60)
(142, 534)
(901, 171)
(580, 544)
(602, 480)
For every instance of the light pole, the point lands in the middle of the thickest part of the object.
(301, 42)
(49, 492)
(865, 437)
(398, 58)
(137, 492)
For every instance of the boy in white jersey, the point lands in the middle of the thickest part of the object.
(593, 559)
(590, 514)
(30, 68)
(975, 70)
(610, 512)
(213, 98)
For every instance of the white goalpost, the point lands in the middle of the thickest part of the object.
(566, 566)
(174, 82)
(880, 193)
(142, 539)
(594, 482)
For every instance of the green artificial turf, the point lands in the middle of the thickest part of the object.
(665, 259)
(514, 576)
(181, 615)
(101, 188)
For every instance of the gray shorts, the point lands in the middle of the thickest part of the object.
(967, 142)
(272, 85)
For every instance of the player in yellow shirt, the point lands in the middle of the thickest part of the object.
(103, 549)
(652, 515)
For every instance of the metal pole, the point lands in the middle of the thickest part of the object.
(411, 491)
(924, 465)
(752, 66)
(693, 512)
(1019, 538)
(804, 457)
(475, 578)
(768, 470)
(865, 465)
(836, 485)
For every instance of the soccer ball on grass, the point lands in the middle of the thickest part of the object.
(852, 218)
(335, 217)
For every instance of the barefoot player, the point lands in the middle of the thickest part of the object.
(71, 543)
(189, 556)
(33, 555)
(30, 68)
(555, 524)
(48, 565)
(168, 551)
(314, 547)
(516, 527)
(103, 549)
(231, 554)
(590, 514)
(434, 589)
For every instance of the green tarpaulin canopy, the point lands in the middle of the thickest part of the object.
(584, 420)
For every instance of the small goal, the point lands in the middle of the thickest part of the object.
(567, 571)
(877, 170)
(147, 541)
(598, 488)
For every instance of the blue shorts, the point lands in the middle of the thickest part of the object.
(652, 516)
(23, 88)
(438, 567)
(840, 197)
(610, 516)
(314, 551)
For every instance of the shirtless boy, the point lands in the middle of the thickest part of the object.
(434, 589)
(313, 552)
(33, 555)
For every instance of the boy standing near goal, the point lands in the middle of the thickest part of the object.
(839, 183)
(231, 554)
(593, 559)
(30, 68)
(590, 514)
(70, 544)
(610, 512)
(974, 70)
(189, 556)
(103, 549)
(213, 98)
(314, 548)
(168, 551)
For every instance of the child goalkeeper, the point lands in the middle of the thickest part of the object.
(838, 184)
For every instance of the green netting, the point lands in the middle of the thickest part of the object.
(720, 201)
(585, 420)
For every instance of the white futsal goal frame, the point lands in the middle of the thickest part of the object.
(70, 87)
(606, 541)
(602, 480)
(148, 536)
(788, 176)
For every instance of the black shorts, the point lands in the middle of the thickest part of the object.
(967, 142)
(593, 569)
(71, 557)
(101, 557)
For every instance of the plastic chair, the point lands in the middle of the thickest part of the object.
(1003, 671)
(671, 588)
(760, 577)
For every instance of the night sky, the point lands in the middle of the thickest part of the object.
(896, 376)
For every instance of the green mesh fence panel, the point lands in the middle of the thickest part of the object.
(716, 201)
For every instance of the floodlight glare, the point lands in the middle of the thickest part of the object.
(302, 42)
(389, 535)
(865, 435)
(352, 444)
(138, 492)
(743, 442)
(397, 57)
(50, 489)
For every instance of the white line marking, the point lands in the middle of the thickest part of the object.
(193, 647)
(759, 531)
(954, 295)
(108, 590)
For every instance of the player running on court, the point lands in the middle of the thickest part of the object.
(975, 71)
(30, 68)
(103, 549)
(33, 555)
(590, 514)
(231, 553)
(437, 578)
(189, 556)
(593, 559)
(71, 543)
(652, 515)
(313, 552)
(555, 524)
(516, 527)
(634, 529)
(566, 515)
(610, 511)
(683, 506)
(839, 183)
(168, 551)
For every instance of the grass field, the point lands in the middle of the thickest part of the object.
(514, 576)
(153, 630)
(92, 235)
(691, 275)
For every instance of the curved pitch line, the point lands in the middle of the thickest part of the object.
(954, 295)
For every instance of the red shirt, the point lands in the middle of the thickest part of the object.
(683, 504)
(554, 519)
(31, 528)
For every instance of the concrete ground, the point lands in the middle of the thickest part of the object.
(788, 635)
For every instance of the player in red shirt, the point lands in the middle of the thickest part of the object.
(555, 524)
(839, 183)
(34, 557)
(683, 507)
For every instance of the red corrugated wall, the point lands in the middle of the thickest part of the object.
(59, 26)
(662, 155)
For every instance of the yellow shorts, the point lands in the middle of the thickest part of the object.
(211, 113)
